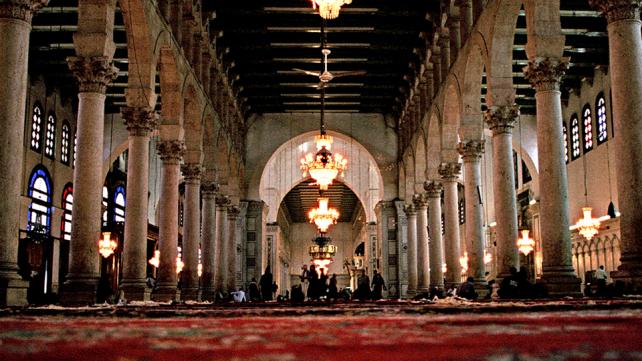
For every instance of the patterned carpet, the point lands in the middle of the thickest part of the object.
(614, 334)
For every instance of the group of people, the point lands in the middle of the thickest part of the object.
(364, 292)
(265, 290)
(315, 285)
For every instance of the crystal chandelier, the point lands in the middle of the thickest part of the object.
(106, 246)
(323, 217)
(525, 244)
(588, 226)
(329, 9)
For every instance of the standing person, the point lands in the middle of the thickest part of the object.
(323, 284)
(305, 280)
(266, 285)
(378, 285)
(363, 287)
(275, 290)
(313, 279)
(601, 276)
(254, 291)
(333, 294)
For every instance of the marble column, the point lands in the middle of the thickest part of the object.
(501, 120)
(625, 52)
(471, 153)
(15, 27)
(220, 241)
(449, 173)
(208, 240)
(423, 259)
(444, 43)
(545, 75)
(230, 278)
(170, 152)
(411, 213)
(191, 230)
(433, 194)
(140, 123)
(466, 10)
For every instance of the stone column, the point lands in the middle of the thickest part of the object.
(449, 173)
(411, 213)
(433, 193)
(444, 43)
(170, 152)
(466, 10)
(501, 120)
(557, 268)
(140, 123)
(436, 67)
(625, 52)
(208, 245)
(220, 241)
(471, 153)
(191, 230)
(230, 278)
(454, 29)
(15, 26)
(423, 259)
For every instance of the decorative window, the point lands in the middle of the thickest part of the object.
(50, 136)
(64, 142)
(36, 128)
(600, 109)
(105, 204)
(565, 133)
(67, 206)
(40, 207)
(587, 128)
(119, 204)
(575, 137)
(75, 146)
(462, 211)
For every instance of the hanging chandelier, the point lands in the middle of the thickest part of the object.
(329, 9)
(322, 252)
(588, 226)
(106, 246)
(525, 244)
(323, 217)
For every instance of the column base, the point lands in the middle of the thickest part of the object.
(79, 291)
(135, 290)
(481, 287)
(13, 291)
(561, 284)
(410, 294)
(628, 277)
(166, 294)
(208, 294)
(191, 294)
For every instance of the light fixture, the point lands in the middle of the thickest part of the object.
(179, 264)
(488, 258)
(106, 246)
(587, 225)
(155, 261)
(199, 268)
(329, 9)
(322, 252)
(463, 262)
(323, 217)
(525, 244)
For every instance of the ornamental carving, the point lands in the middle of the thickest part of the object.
(419, 200)
(223, 201)
(93, 74)
(433, 189)
(192, 172)
(616, 10)
(449, 171)
(471, 150)
(209, 189)
(139, 121)
(233, 213)
(170, 151)
(545, 74)
(501, 119)
(21, 9)
(410, 210)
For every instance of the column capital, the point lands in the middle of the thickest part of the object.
(192, 172)
(223, 201)
(410, 210)
(171, 151)
(471, 150)
(433, 189)
(501, 119)
(140, 121)
(93, 74)
(419, 201)
(545, 74)
(21, 9)
(616, 10)
(209, 189)
(233, 213)
(449, 172)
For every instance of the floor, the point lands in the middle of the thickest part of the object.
(445, 330)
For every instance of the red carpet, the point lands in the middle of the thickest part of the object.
(569, 335)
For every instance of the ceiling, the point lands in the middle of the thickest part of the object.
(302, 198)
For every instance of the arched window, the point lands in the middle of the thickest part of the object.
(67, 206)
(119, 204)
(50, 136)
(75, 146)
(462, 211)
(64, 142)
(40, 207)
(575, 137)
(36, 128)
(600, 109)
(565, 132)
(105, 204)
(587, 128)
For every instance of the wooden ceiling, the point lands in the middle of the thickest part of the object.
(302, 198)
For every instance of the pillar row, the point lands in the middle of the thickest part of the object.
(423, 259)
(208, 240)
(221, 240)
(433, 194)
(191, 230)
(230, 278)
(411, 213)
(449, 173)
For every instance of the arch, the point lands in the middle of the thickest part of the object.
(472, 126)
(587, 128)
(420, 160)
(409, 165)
(67, 203)
(452, 111)
(575, 137)
(433, 151)
(120, 201)
(282, 172)
(50, 136)
(40, 191)
(601, 118)
(193, 125)
(36, 127)
(65, 142)
(171, 126)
